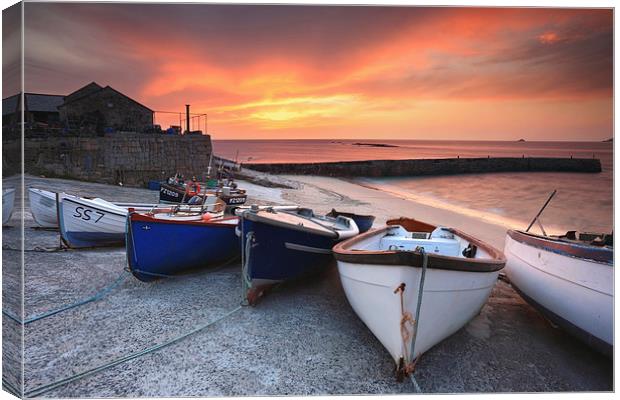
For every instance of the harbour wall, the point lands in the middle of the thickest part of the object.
(124, 157)
(423, 167)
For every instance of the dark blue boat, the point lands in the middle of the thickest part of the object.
(363, 222)
(280, 245)
(159, 247)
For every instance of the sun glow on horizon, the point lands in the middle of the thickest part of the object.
(324, 72)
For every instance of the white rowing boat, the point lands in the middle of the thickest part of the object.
(96, 222)
(569, 279)
(8, 202)
(90, 222)
(382, 273)
(43, 207)
(45, 213)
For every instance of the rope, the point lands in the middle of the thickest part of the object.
(420, 293)
(46, 388)
(37, 249)
(60, 248)
(97, 296)
(408, 320)
(415, 384)
(216, 268)
(246, 281)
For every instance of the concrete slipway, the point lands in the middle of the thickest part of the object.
(303, 339)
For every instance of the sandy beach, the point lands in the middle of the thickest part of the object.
(302, 339)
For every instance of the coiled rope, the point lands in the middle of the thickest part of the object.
(97, 296)
(46, 388)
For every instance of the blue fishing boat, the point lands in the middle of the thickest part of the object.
(280, 245)
(363, 222)
(159, 245)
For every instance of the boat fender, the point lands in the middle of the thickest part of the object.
(206, 217)
(470, 251)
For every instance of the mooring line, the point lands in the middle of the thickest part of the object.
(209, 271)
(415, 383)
(37, 249)
(46, 388)
(97, 296)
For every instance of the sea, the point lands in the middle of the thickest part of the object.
(583, 202)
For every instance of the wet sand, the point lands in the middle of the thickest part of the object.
(302, 339)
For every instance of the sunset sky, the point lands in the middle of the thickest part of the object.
(339, 72)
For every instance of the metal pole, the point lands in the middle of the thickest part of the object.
(541, 210)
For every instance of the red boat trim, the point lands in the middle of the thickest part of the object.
(344, 252)
(576, 250)
(217, 223)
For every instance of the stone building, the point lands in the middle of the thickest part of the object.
(104, 109)
(40, 108)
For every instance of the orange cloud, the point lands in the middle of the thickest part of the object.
(548, 38)
(340, 71)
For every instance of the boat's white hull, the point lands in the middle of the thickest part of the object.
(83, 223)
(8, 202)
(43, 207)
(450, 299)
(578, 291)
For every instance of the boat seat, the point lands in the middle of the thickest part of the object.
(443, 246)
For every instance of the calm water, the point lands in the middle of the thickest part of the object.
(584, 201)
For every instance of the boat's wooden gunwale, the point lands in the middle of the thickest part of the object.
(344, 252)
(602, 255)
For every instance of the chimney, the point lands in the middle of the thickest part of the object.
(187, 118)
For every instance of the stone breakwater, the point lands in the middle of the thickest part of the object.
(130, 158)
(419, 167)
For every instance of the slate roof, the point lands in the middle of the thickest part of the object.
(35, 102)
(9, 105)
(93, 88)
(43, 102)
(83, 92)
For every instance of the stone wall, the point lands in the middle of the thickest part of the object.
(445, 166)
(130, 158)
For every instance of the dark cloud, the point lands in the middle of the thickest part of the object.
(11, 50)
